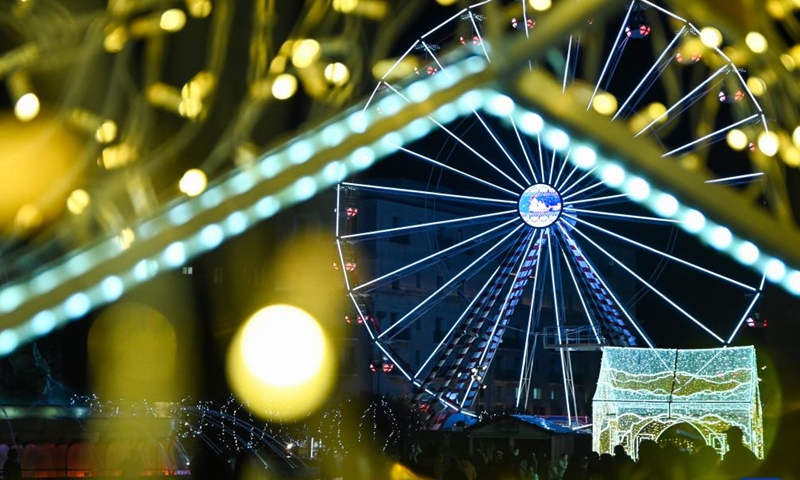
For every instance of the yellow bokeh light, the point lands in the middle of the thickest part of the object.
(791, 157)
(28, 217)
(27, 107)
(133, 354)
(768, 143)
(78, 201)
(391, 69)
(305, 52)
(115, 39)
(656, 109)
(605, 103)
(540, 5)
(199, 8)
(193, 182)
(280, 363)
(756, 42)
(337, 73)
(284, 86)
(190, 107)
(788, 62)
(40, 167)
(446, 3)
(172, 20)
(796, 137)
(757, 86)
(106, 132)
(736, 139)
(345, 6)
(711, 37)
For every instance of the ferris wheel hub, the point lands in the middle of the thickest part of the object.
(540, 205)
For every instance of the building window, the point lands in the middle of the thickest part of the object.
(438, 333)
(553, 393)
(537, 393)
(187, 270)
(218, 275)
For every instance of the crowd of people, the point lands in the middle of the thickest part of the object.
(654, 462)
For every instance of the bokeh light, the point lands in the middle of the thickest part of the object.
(133, 354)
(172, 20)
(736, 139)
(768, 143)
(40, 166)
(305, 52)
(193, 182)
(711, 37)
(605, 103)
(756, 42)
(281, 363)
(337, 73)
(78, 201)
(284, 86)
(541, 5)
(27, 107)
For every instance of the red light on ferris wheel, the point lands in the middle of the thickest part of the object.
(387, 367)
(350, 266)
(351, 212)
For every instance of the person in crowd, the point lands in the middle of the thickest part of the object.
(12, 469)
(739, 461)
(558, 466)
(575, 469)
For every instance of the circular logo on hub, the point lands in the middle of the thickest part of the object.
(540, 205)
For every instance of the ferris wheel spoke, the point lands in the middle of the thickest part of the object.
(605, 198)
(524, 149)
(650, 287)
(715, 135)
(486, 127)
(646, 79)
(481, 157)
(625, 216)
(491, 233)
(480, 39)
(362, 314)
(572, 171)
(591, 272)
(507, 308)
(475, 219)
(566, 66)
(428, 193)
(554, 277)
(447, 338)
(664, 254)
(666, 12)
(449, 282)
(576, 183)
(584, 190)
(610, 58)
(454, 170)
(737, 179)
(563, 164)
(477, 319)
(434, 29)
(688, 98)
(536, 301)
(580, 295)
(746, 314)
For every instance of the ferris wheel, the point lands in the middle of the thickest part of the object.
(493, 239)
